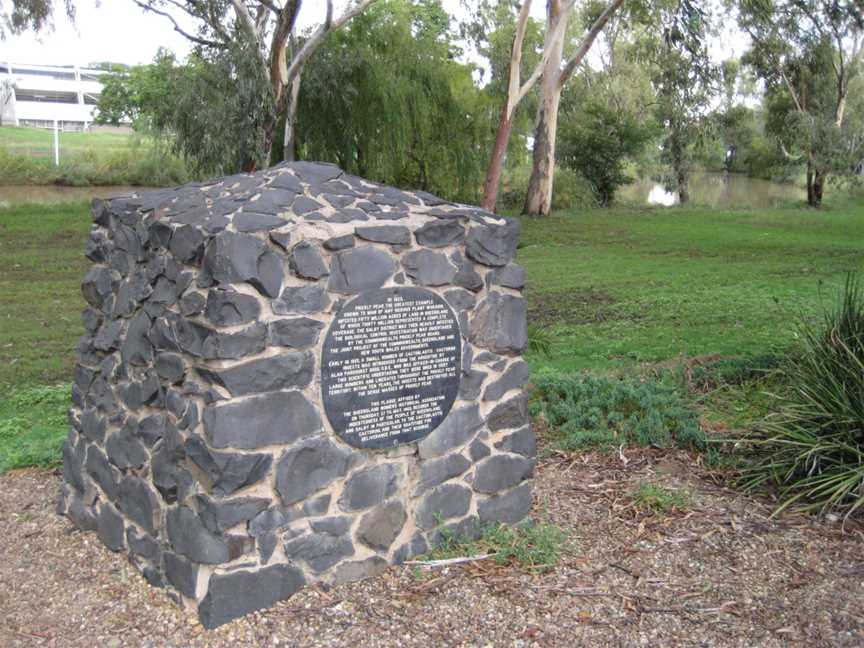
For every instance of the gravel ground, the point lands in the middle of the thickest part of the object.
(717, 573)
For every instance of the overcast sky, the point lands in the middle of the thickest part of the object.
(119, 31)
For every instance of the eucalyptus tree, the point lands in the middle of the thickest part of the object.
(808, 54)
(556, 71)
(262, 31)
(19, 15)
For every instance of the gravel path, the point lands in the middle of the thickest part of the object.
(719, 573)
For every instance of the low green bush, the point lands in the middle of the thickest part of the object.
(811, 450)
(733, 371)
(588, 411)
(657, 499)
(571, 190)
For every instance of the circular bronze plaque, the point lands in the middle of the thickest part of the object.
(390, 366)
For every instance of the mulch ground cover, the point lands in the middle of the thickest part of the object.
(718, 571)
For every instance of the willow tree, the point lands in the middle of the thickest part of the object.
(388, 99)
(556, 71)
(265, 31)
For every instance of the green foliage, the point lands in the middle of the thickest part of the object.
(812, 449)
(32, 425)
(540, 340)
(733, 371)
(385, 98)
(572, 191)
(596, 141)
(212, 110)
(657, 499)
(536, 547)
(589, 411)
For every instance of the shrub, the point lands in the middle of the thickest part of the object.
(811, 449)
(570, 190)
(590, 411)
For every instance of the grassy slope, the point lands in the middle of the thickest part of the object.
(625, 286)
(40, 141)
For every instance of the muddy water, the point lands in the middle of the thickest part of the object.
(715, 190)
(21, 194)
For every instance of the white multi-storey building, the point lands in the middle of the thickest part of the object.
(39, 95)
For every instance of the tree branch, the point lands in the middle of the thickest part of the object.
(514, 81)
(195, 39)
(586, 43)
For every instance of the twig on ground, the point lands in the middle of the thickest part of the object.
(448, 561)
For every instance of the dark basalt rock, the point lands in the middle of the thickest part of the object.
(297, 332)
(458, 428)
(514, 378)
(226, 307)
(306, 261)
(230, 596)
(369, 487)
(522, 442)
(390, 234)
(231, 257)
(339, 243)
(501, 472)
(510, 276)
(309, 467)
(227, 472)
(181, 574)
(136, 499)
(512, 413)
(433, 473)
(219, 516)
(445, 502)
(359, 269)
(493, 245)
(508, 508)
(381, 526)
(500, 324)
(436, 234)
(190, 538)
(286, 371)
(304, 299)
(110, 527)
(275, 419)
(187, 244)
(429, 268)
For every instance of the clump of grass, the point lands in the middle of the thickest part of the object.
(32, 426)
(812, 449)
(733, 371)
(598, 411)
(535, 547)
(539, 340)
(657, 499)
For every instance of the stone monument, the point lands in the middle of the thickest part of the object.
(295, 376)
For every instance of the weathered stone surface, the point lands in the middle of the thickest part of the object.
(231, 346)
(429, 268)
(500, 324)
(182, 574)
(93, 425)
(493, 245)
(282, 239)
(304, 299)
(477, 450)
(191, 304)
(285, 371)
(436, 234)
(457, 429)
(315, 172)
(369, 487)
(415, 547)
(226, 307)
(192, 539)
(359, 269)
(124, 449)
(138, 501)
(275, 419)
(500, 472)
(510, 276)
(74, 455)
(151, 429)
(227, 472)
(110, 527)
(187, 244)
(230, 596)
(445, 502)
(102, 472)
(220, 515)
(256, 222)
(514, 378)
(307, 263)
(508, 508)
(317, 506)
(308, 467)
(390, 234)
(170, 476)
(271, 201)
(98, 284)
(522, 442)
(355, 570)
(297, 333)
(512, 413)
(472, 382)
(170, 367)
(232, 257)
(437, 471)
(339, 243)
(460, 299)
(381, 526)
(287, 181)
(320, 550)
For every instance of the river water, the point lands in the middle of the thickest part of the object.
(714, 190)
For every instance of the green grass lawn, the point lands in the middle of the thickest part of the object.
(626, 286)
(40, 141)
(616, 288)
